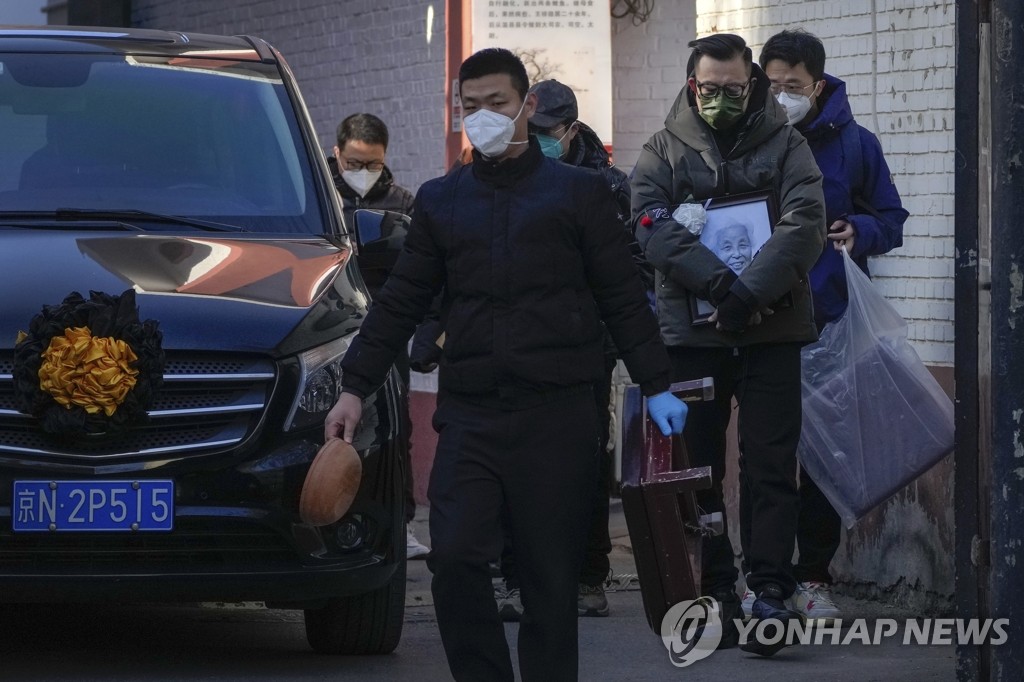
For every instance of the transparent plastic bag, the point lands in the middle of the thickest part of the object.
(874, 418)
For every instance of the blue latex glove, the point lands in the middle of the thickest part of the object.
(668, 412)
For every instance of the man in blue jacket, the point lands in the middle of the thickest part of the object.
(865, 216)
(531, 258)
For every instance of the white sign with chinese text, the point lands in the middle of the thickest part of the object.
(568, 40)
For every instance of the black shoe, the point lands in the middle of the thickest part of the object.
(729, 605)
(770, 608)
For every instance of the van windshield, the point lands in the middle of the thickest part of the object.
(214, 140)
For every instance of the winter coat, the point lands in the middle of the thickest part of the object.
(586, 151)
(683, 163)
(531, 258)
(877, 214)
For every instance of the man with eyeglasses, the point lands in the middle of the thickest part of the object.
(363, 180)
(864, 214)
(360, 173)
(725, 135)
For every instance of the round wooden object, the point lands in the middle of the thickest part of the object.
(331, 483)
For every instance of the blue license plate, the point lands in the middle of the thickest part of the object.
(93, 506)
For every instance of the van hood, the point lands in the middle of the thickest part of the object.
(238, 293)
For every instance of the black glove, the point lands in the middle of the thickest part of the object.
(720, 288)
(733, 314)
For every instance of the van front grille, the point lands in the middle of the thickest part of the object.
(207, 402)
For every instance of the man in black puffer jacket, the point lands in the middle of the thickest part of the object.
(563, 136)
(531, 258)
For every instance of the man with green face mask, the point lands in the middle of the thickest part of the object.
(725, 135)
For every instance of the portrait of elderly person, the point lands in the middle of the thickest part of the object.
(733, 245)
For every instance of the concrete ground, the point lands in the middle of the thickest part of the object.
(622, 647)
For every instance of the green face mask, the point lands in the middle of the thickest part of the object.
(550, 146)
(721, 112)
(553, 146)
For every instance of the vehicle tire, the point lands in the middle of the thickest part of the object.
(362, 624)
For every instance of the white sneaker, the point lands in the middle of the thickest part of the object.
(814, 601)
(414, 549)
(747, 603)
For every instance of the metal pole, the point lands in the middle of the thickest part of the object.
(1007, 406)
(967, 493)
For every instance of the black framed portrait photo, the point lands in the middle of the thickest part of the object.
(736, 229)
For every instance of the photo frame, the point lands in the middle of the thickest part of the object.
(736, 229)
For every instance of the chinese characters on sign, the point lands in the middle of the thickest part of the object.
(568, 40)
(456, 107)
(534, 14)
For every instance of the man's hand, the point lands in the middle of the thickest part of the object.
(343, 418)
(755, 318)
(733, 315)
(668, 412)
(842, 234)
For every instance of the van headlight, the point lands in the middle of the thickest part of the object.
(319, 384)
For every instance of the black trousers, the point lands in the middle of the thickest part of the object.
(405, 429)
(818, 533)
(596, 565)
(765, 380)
(537, 467)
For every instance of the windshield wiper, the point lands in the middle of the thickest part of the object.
(118, 216)
(32, 219)
(131, 213)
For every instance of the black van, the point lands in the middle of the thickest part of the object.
(175, 180)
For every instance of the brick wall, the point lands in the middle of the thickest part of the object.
(649, 69)
(897, 59)
(349, 56)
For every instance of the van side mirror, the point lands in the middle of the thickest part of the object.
(380, 236)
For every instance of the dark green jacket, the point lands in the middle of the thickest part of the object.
(683, 163)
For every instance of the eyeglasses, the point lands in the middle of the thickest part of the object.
(732, 90)
(789, 89)
(353, 165)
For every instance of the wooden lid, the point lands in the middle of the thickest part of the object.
(331, 483)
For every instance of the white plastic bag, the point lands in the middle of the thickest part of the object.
(874, 418)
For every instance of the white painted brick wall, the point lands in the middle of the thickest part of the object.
(348, 56)
(649, 69)
(897, 58)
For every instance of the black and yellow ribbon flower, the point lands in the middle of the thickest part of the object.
(93, 373)
(88, 366)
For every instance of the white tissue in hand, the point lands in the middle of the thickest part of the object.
(691, 216)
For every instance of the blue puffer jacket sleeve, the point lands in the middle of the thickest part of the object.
(874, 208)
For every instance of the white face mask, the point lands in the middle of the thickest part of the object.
(491, 133)
(361, 180)
(797, 106)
